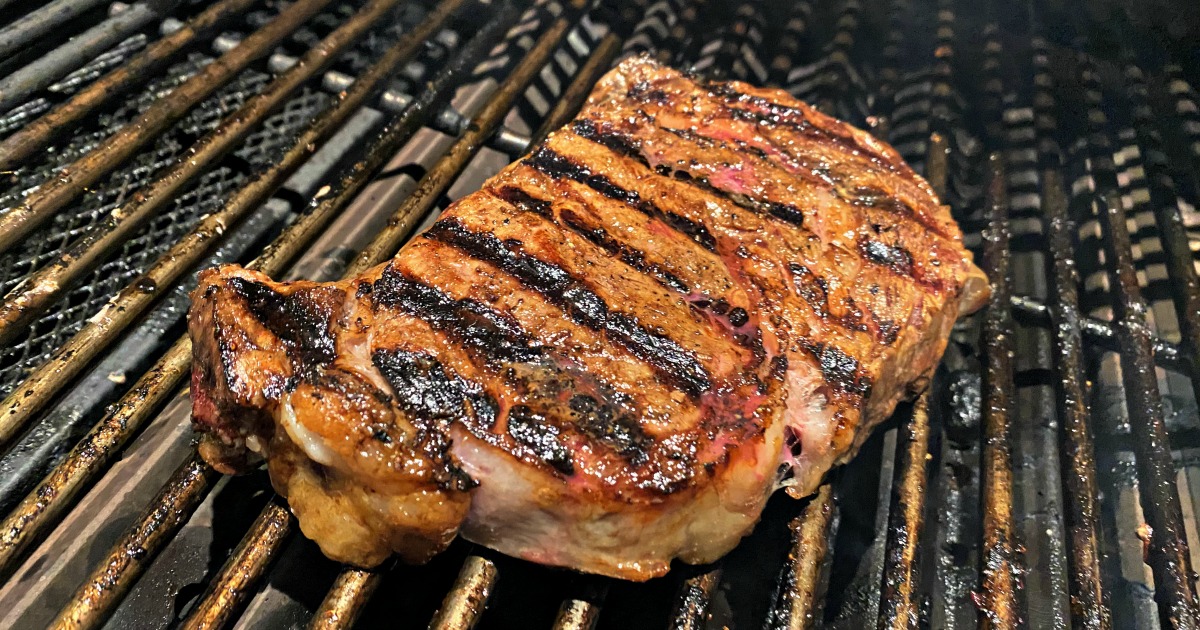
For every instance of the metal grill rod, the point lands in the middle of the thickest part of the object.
(227, 594)
(790, 42)
(42, 507)
(1188, 111)
(346, 599)
(1181, 268)
(681, 30)
(1000, 607)
(655, 26)
(899, 603)
(729, 55)
(1031, 312)
(468, 596)
(37, 24)
(438, 179)
(18, 86)
(798, 607)
(686, 35)
(90, 457)
(70, 182)
(889, 71)
(1077, 454)
(1168, 558)
(47, 285)
(833, 82)
(899, 596)
(693, 600)
(448, 121)
(737, 54)
(29, 139)
(582, 613)
(577, 92)
(112, 578)
(335, 81)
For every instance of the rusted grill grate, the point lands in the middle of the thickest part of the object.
(1048, 456)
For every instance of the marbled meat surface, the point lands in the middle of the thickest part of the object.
(610, 356)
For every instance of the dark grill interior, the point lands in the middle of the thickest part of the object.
(1048, 478)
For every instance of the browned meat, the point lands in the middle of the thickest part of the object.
(610, 356)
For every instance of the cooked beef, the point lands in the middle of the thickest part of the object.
(611, 355)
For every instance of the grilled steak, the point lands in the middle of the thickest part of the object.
(611, 355)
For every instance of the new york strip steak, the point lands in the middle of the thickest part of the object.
(610, 356)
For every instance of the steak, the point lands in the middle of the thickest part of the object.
(609, 357)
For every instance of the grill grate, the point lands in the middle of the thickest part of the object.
(1062, 426)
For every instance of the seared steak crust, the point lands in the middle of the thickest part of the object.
(613, 353)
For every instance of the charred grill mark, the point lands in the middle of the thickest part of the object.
(709, 142)
(873, 197)
(771, 113)
(486, 333)
(897, 259)
(612, 426)
(301, 319)
(779, 366)
(433, 396)
(523, 200)
(777, 115)
(541, 437)
(673, 364)
(603, 134)
(888, 329)
(430, 392)
(765, 112)
(863, 196)
(644, 91)
(555, 165)
(595, 234)
(853, 318)
(628, 254)
(574, 400)
(767, 207)
(782, 211)
(636, 259)
(815, 291)
(893, 257)
(841, 371)
(812, 288)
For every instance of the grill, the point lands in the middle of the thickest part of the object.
(1048, 478)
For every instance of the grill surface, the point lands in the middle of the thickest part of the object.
(1048, 478)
